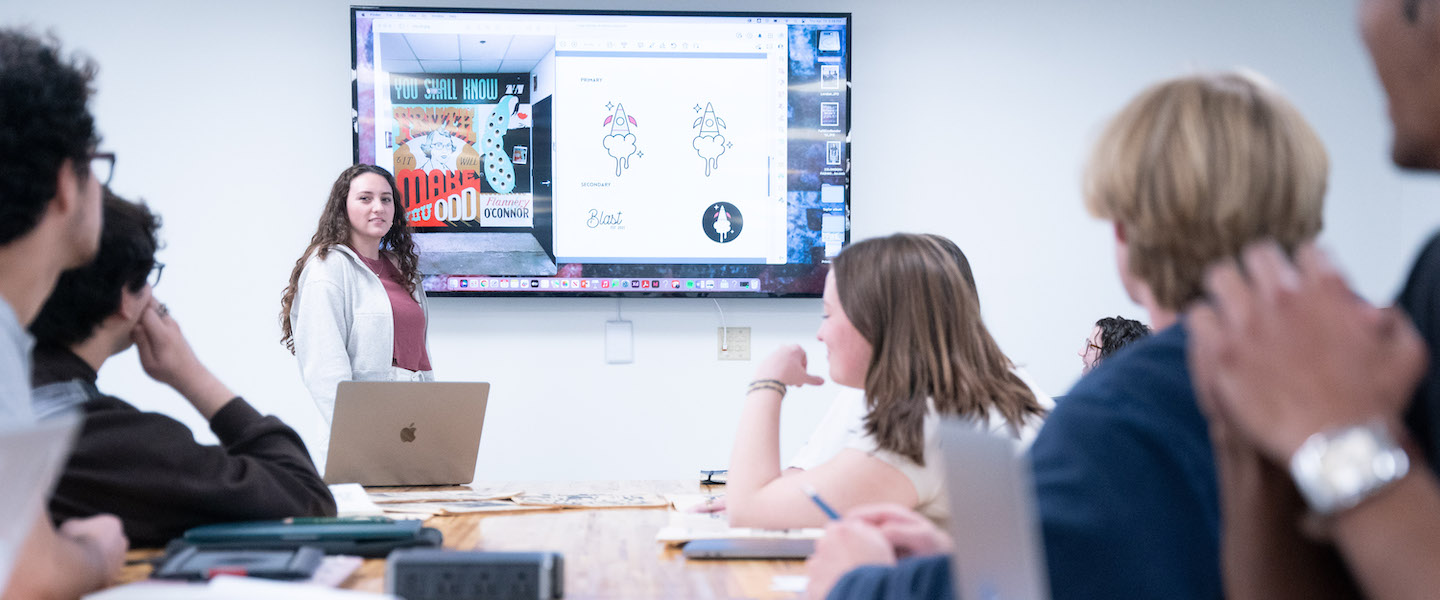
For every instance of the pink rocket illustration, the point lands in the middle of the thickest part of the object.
(620, 144)
(722, 222)
(619, 122)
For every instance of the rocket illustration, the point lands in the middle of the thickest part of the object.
(711, 123)
(709, 143)
(620, 144)
(620, 122)
(722, 222)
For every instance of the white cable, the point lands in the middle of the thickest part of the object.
(618, 315)
(724, 331)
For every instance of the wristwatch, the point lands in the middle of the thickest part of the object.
(1338, 468)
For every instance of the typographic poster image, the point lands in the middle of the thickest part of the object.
(456, 140)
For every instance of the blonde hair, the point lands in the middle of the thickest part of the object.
(912, 297)
(1197, 167)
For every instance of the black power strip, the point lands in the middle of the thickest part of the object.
(432, 574)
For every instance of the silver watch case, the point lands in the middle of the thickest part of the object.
(1338, 468)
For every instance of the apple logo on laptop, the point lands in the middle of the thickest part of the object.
(407, 434)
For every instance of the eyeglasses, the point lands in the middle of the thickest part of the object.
(1089, 345)
(102, 166)
(154, 278)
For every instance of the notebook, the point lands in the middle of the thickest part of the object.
(993, 521)
(406, 433)
(31, 457)
(750, 549)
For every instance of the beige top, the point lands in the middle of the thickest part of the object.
(844, 427)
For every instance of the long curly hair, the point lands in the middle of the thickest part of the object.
(334, 229)
(909, 296)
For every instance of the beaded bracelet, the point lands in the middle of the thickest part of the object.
(767, 384)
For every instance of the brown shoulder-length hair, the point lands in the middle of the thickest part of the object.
(334, 229)
(909, 297)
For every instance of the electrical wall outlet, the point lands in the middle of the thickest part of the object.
(619, 342)
(737, 347)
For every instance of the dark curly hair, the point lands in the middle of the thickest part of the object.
(43, 123)
(86, 296)
(334, 230)
(1117, 332)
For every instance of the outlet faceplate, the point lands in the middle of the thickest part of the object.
(737, 347)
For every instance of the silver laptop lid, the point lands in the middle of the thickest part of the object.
(406, 433)
(31, 457)
(998, 549)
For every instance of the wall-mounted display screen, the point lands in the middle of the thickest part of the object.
(611, 153)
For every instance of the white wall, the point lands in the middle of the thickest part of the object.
(971, 119)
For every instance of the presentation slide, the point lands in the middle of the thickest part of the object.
(679, 130)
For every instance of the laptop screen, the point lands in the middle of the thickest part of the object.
(998, 549)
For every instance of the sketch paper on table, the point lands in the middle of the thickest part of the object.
(688, 527)
(691, 503)
(444, 496)
(593, 500)
(457, 508)
(351, 501)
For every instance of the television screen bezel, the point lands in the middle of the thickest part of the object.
(821, 268)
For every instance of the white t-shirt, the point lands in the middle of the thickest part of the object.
(843, 426)
(15, 346)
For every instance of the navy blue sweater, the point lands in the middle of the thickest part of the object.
(1125, 487)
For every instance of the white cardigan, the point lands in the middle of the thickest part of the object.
(343, 327)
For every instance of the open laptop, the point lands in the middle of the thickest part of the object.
(406, 433)
(998, 550)
(31, 456)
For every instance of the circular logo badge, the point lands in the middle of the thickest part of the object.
(722, 222)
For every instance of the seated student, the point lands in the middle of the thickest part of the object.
(1108, 337)
(881, 301)
(147, 468)
(50, 178)
(845, 418)
(1189, 172)
(1297, 373)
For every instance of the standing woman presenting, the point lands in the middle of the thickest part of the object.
(355, 309)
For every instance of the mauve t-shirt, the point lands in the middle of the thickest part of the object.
(409, 317)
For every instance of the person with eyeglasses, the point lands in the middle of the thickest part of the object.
(143, 467)
(1109, 335)
(50, 179)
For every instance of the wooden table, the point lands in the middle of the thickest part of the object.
(609, 553)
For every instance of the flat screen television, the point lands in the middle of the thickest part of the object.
(610, 153)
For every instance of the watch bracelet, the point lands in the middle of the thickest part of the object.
(1307, 471)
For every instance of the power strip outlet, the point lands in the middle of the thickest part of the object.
(432, 574)
(737, 347)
